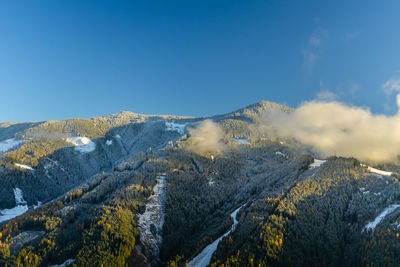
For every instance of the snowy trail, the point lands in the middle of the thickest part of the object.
(203, 259)
(376, 171)
(154, 215)
(64, 264)
(19, 209)
(381, 216)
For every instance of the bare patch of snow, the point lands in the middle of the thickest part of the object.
(153, 217)
(362, 189)
(376, 171)
(109, 142)
(19, 209)
(23, 166)
(317, 163)
(281, 154)
(9, 144)
(82, 144)
(50, 165)
(381, 216)
(211, 182)
(38, 205)
(177, 127)
(64, 264)
(203, 259)
(241, 140)
(19, 197)
(118, 136)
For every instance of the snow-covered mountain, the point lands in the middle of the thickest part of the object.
(149, 190)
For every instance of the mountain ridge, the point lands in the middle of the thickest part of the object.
(88, 186)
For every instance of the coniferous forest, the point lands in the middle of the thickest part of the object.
(108, 207)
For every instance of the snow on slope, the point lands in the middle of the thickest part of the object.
(241, 140)
(381, 216)
(203, 259)
(154, 215)
(9, 144)
(20, 208)
(38, 205)
(177, 127)
(211, 182)
(82, 144)
(23, 166)
(281, 154)
(376, 171)
(317, 163)
(65, 264)
(19, 197)
(109, 142)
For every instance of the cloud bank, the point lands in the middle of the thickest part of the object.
(206, 137)
(333, 128)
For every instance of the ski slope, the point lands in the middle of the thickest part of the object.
(203, 259)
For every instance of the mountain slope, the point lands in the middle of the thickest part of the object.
(108, 206)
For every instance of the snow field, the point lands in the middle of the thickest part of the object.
(154, 215)
(177, 127)
(82, 144)
(317, 163)
(19, 209)
(241, 140)
(9, 144)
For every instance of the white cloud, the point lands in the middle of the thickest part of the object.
(334, 128)
(326, 95)
(391, 86)
(387, 108)
(206, 137)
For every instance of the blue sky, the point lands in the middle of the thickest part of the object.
(65, 59)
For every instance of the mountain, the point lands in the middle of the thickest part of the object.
(157, 190)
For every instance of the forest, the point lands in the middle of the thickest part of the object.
(291, 213)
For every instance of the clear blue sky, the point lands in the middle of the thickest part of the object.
(64, 59)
